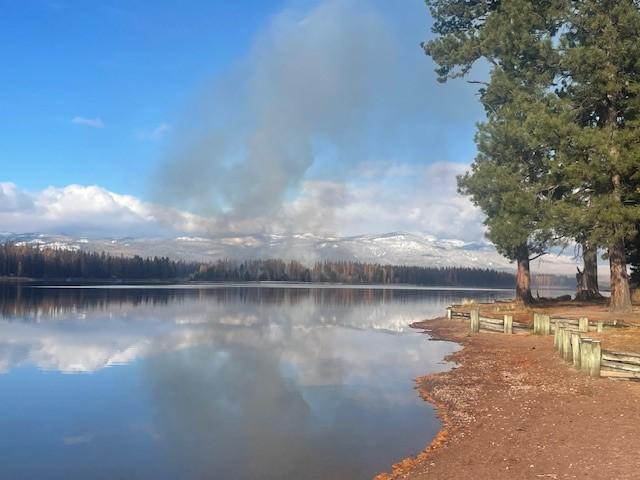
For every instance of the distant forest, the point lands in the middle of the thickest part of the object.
(34, 262)
(37, 263)
(350, 272)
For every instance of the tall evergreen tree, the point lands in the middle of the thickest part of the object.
(571, 217)
(507, 182)
(583, 60)
(633, 254)
(507, 178)
(601, 80)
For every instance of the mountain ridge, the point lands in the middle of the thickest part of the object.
(394, 248)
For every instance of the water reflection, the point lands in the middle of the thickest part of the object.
(236, 383)
(34, 302)
(82, 330)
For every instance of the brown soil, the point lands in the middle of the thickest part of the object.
(619, 339)
(513, 409)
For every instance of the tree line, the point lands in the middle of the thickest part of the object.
(350, 273)
(558, 153)
(47, 263)
(42, 263)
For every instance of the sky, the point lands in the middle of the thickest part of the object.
(208, 117)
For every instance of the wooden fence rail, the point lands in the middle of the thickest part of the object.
(569, 339)
(478, 322)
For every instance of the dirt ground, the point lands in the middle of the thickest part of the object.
(512, 409)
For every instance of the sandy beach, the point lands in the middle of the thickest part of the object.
(512, 408)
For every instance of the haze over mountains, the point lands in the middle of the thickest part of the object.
(396, 248)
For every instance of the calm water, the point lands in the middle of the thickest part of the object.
(225, 382)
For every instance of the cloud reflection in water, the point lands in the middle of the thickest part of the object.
(229, 382)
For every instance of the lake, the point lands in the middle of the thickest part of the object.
(230, 382)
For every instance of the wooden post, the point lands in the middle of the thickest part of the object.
(475, 320)
(545, 324)
(556, 336)
(567, 354)
(585, 355)
(536, 323)
(448, 313)
(508, 324)
(575, 348)
(564, 341)
(596, 358)
(583, 324)
(600, 327)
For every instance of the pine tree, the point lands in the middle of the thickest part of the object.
(600, 60)
(633, 254)
(580, 60)
(506, 183)
(507, 179)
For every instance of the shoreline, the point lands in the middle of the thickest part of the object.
(511, 408)
(186, 283)
(404, 467)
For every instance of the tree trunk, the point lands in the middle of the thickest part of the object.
(620, 293)
(590, 258)
(523, 277)
(587, 288)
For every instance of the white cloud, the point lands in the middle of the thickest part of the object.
(156, 133)
(12, 199)
(387, 197)
(419, 199)
(139, 330)
(79, 209)
(88, 122)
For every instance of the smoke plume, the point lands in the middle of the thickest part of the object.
(323, 89)
(308, 86)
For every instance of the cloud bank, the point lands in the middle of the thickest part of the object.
(378, 198)
(86, 210)
(331, 124)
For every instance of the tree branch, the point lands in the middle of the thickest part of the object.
(537, 256)
(486, 84)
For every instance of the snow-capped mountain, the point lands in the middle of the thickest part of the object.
(398, 248)
(392, 248)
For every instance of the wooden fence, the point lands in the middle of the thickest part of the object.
(570, 339)
(506, 324)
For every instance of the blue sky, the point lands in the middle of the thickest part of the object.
(229, 116)
(131, 64)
